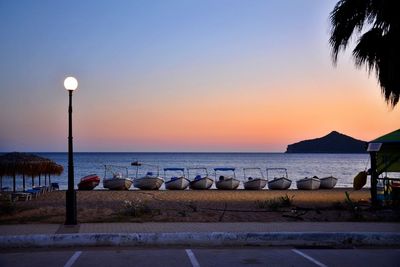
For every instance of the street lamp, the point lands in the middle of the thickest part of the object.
(70, 83)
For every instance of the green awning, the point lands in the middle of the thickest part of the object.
(393, 137)
(388, 152)
(387, 162)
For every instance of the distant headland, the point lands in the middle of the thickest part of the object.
(334, 142)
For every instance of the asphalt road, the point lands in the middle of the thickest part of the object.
(195, 257)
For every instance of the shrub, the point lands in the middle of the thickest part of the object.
(286, 201)
(353, 207)
(275, 203)
(135, 208)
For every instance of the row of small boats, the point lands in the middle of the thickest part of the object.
(198, 179)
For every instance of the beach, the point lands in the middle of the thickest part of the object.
(201, 206)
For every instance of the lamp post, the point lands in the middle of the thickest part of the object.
(70, 83)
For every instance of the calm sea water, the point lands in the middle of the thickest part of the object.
(342, 166)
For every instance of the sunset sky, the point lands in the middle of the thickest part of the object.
(179, 76)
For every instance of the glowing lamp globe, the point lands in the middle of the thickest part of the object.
(70, 83)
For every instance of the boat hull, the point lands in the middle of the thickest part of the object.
(227, 184)
(88, 185)
(117, 183)
(180, 183)
(201, 184)
(328, 182)
(148, 183)
(308, 184)
(89, 182)
(279, 184)
(255, 184)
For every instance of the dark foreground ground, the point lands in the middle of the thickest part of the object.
(195, 257)
(336, 205)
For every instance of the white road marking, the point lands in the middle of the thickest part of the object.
(309, 258)
(192, 258)
(73, 258)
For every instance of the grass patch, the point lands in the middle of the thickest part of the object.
(276, 203)
(354, 208)
(286, 201)
(135, 208)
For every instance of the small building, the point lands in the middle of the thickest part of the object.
(385, 167)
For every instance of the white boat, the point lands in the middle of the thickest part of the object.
(118, 181)
(201, 180)
(176, 182)
(150, 181)
(255, 181)
(225, 182)
(308, 183)
(279, 183)
(328, 182)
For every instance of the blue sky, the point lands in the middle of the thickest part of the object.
(138, 61)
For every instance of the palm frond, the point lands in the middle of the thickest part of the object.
(347, 16)
(384, 13)
(368, 49)
(389, 68)
(378, 48)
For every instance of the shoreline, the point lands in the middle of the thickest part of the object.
(203, 206)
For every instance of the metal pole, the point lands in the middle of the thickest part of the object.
(374, 179)
(14, 182)
(70, 194)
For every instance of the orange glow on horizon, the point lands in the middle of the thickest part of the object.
(266, 121)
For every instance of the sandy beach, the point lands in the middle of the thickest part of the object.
(200, 206)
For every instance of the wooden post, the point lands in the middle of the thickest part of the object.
(33, 181)
(374, 179)
(23, 181)
(40, 183)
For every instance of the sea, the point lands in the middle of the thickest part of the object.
(342, 166)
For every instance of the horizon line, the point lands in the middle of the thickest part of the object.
(255, 152)
(182, 152)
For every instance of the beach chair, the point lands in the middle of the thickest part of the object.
(55, 186)
(41, 189)
(34, 192)
(21, 196)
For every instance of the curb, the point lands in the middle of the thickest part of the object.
(316, 239)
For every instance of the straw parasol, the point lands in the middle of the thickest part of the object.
(15, 163)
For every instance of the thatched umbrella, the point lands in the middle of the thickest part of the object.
(13, 164)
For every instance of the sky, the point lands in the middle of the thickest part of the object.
(170, 75)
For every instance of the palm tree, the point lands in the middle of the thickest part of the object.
(376, 23)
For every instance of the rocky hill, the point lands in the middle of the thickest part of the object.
(332, 143)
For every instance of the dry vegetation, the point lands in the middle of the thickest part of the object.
(202, 206)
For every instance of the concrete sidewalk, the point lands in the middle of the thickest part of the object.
(200, 234)
(252, 227)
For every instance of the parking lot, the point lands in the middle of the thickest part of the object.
(195, 257)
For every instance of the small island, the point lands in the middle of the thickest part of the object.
(334, 142)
